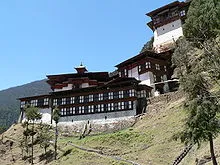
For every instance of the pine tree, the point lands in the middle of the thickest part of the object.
(56, 117)
(197, 61)
(32, 114)
(45, 136)
(203, 20)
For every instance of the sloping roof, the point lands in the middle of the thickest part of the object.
(60, 78)
(34, 97)
(175, 3)
(145, 54)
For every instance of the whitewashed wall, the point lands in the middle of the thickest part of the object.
(85, 85)
(134, 73)
(167, 33)
(46, 116)
(69, 87)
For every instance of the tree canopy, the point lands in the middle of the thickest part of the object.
(203, 20)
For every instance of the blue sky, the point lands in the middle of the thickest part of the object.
(43, 37)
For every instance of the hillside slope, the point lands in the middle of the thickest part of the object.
(9, 105)
(148, 142)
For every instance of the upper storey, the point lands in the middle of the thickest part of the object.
(167, 24)
(168, 13)
(81, 79)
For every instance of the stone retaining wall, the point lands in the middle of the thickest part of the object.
(97, 126)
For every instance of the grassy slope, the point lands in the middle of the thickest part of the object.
(148, 142)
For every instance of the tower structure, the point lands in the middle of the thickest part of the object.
(167, 24)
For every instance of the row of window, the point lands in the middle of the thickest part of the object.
(142, 67)
(159, 79)
(34, 103)
(165, 16)
(110, 107)
(95, 97)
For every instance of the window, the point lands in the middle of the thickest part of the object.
(33, 102)
(139, 68)
(131, 93)
(55, 102)
(105, 107)
(115, 95)
(130, 104)
(102, 107)
(72, 100)
(86, 99)
(96, 97)
(46, 101)
(155, 78)
(122, 105)
(119, 73)
(95, 108)
(105, 96)
(90, 109)
(22, 104)
(182, 13)
(90, 98)
(148, 65)
(67, 111)
(81, 99)
(120, 94)
(142, 93)
(126, 105)
(98, 108)
(82, 109)
(63, 101)
(165, 68)
(72, 110)
(119, 105)
(100, 96)
(63, 112)
(126, 93)
(68, 100)
(112, 106)
(59, 101)
(126, 72)
(76, 99)
(156, 20)
(76, 110)
(86, 109)
(157, 66)
(115, 106)
(40, 102)
(110, 95)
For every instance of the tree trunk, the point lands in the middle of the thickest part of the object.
(214, 162)
(26, 141)
(32, 145)
(56, 134)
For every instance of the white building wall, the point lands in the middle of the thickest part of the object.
(134, 73)
(69, 87)
(85, 85)
(145, 78)
(46, 116)
(167, 33)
